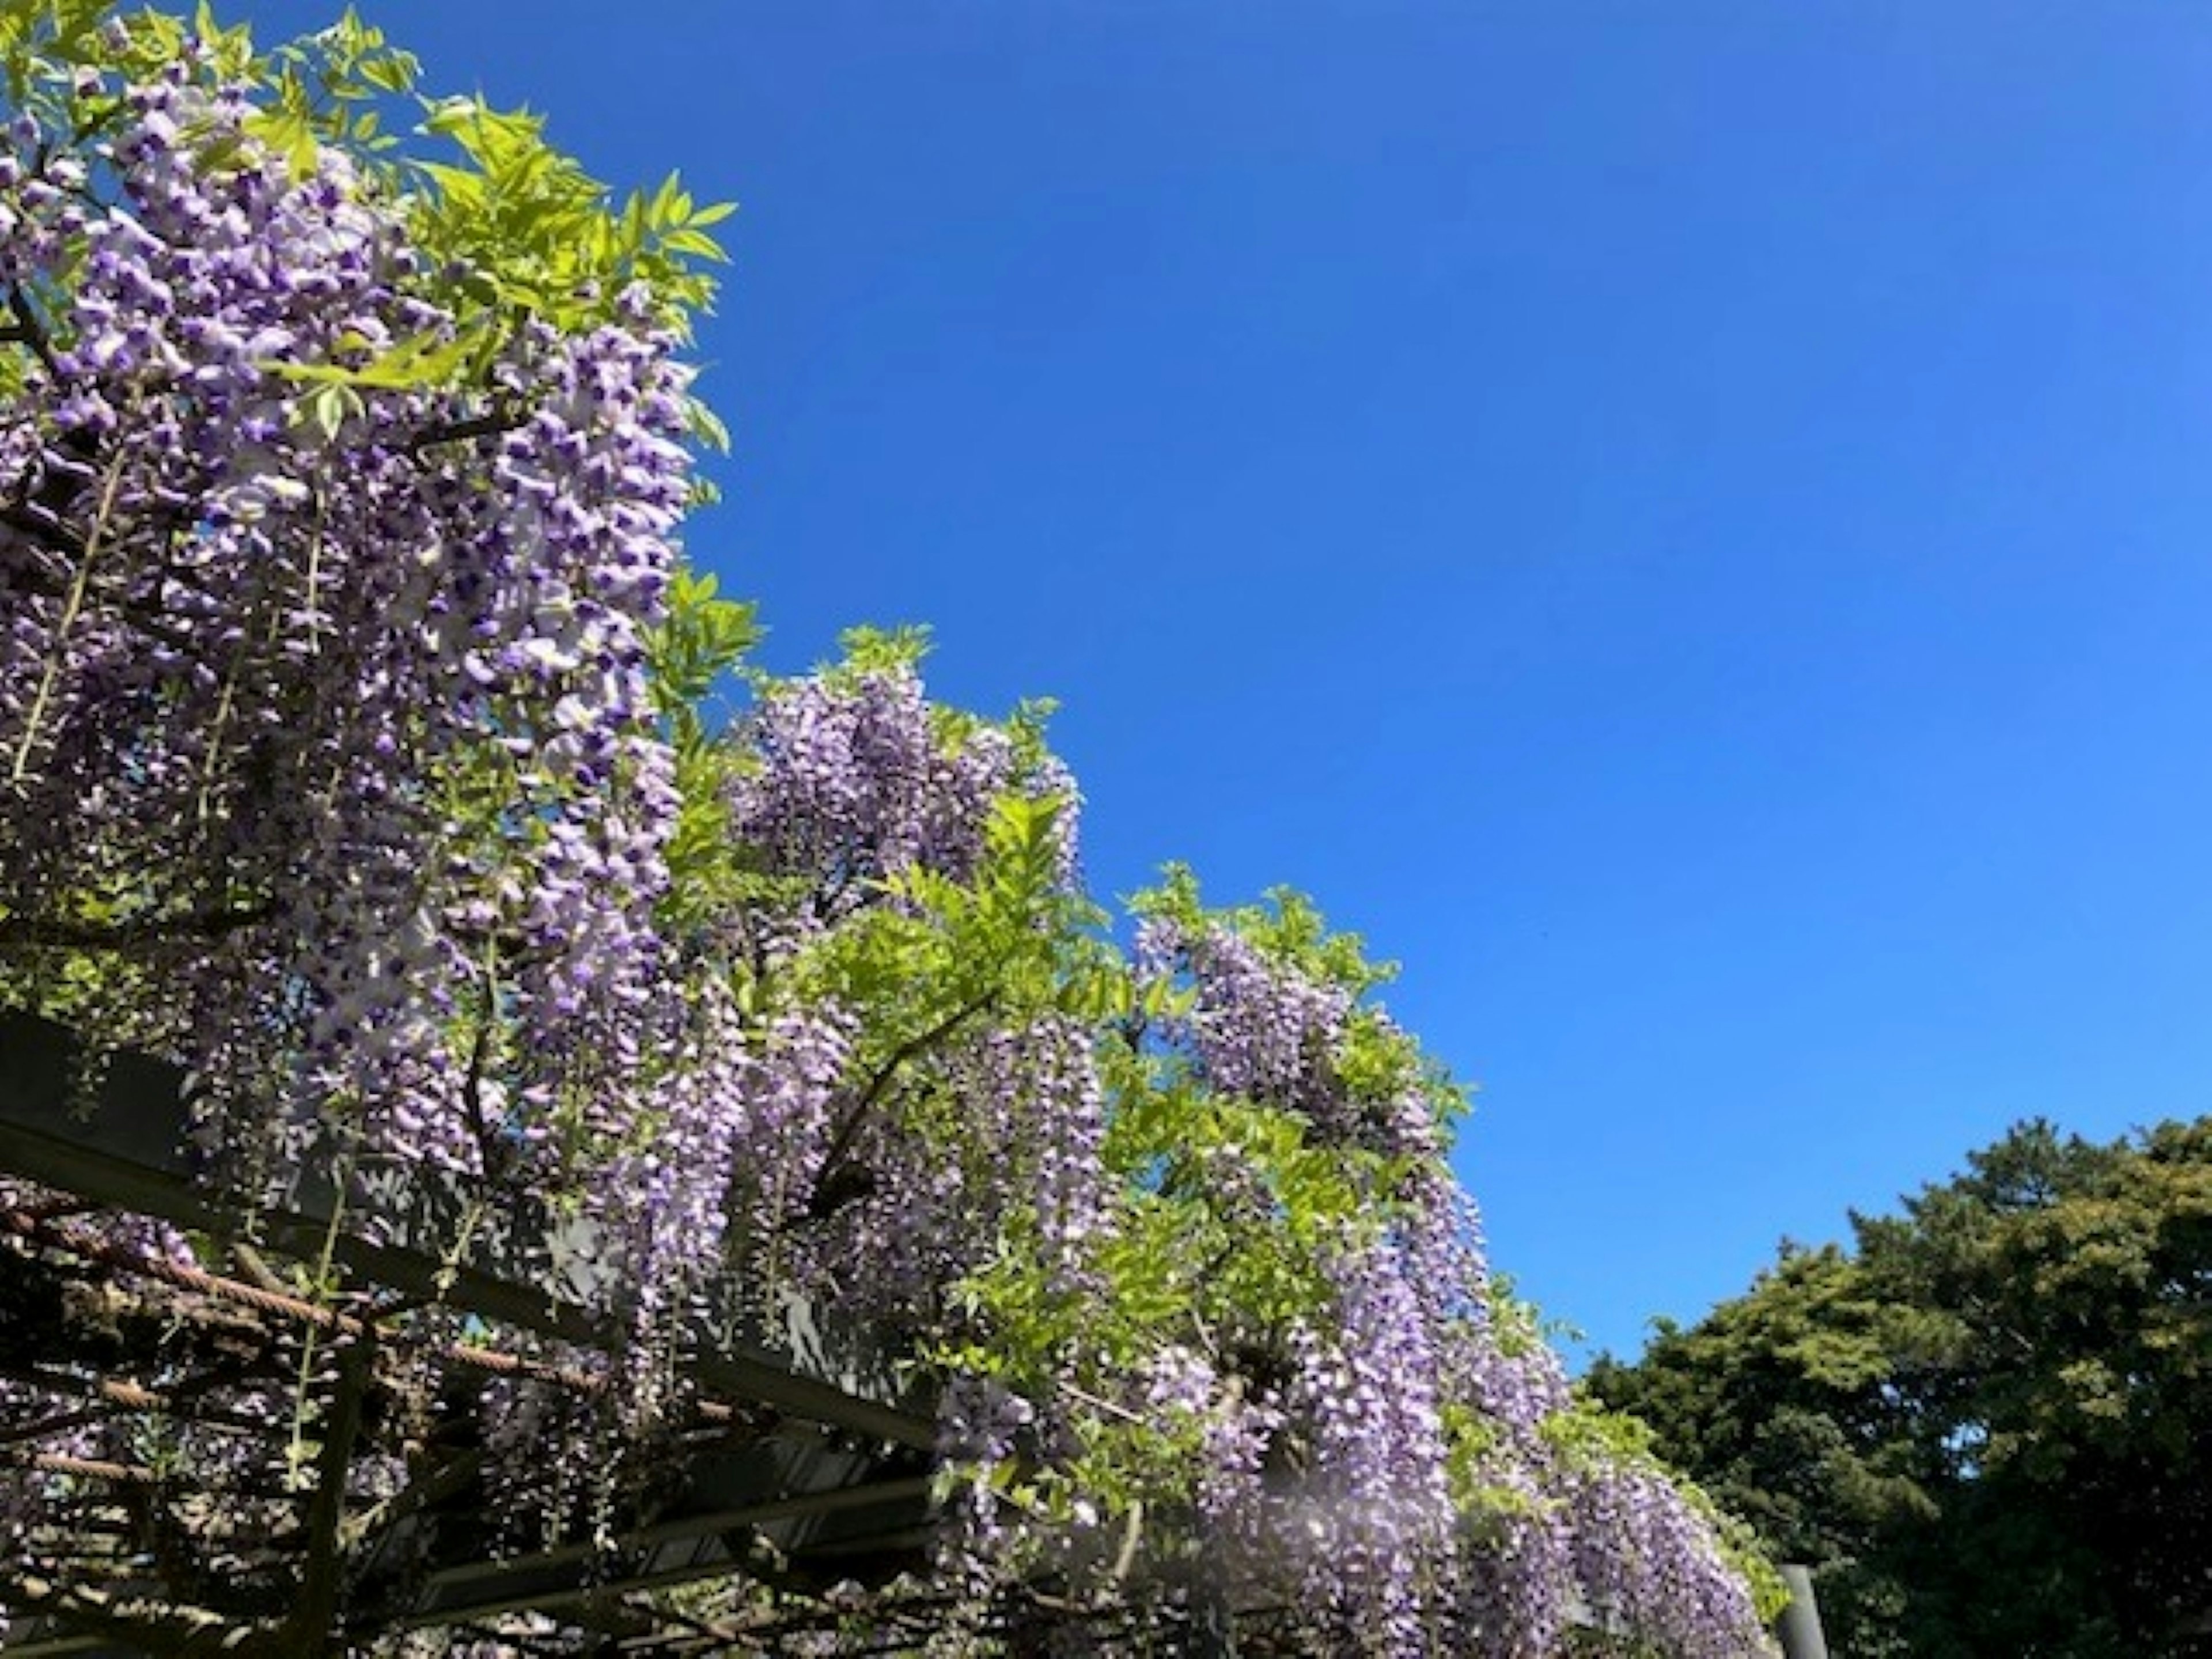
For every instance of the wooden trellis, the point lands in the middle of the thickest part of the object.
(795, 1461)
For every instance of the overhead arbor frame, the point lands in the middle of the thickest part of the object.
(793, 1460)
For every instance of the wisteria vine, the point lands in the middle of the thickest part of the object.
(340, 598)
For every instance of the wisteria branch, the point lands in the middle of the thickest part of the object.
(45, 933)
(834, 1162)
(146, 1624)
(503, 418)
(27, 331)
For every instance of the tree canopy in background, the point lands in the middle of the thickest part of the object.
(1984, 1422)
(367, 749)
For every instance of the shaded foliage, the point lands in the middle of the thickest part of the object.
(1983, 1422)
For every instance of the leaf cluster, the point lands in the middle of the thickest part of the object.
(703, 639)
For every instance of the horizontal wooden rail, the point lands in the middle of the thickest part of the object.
(121, 1152)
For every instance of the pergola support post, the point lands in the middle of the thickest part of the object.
(1799, 1626)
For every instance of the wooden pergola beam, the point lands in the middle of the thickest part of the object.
(123, 1155)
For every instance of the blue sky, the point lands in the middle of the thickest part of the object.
(1683, 524)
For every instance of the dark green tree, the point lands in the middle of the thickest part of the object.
(1984, 1423)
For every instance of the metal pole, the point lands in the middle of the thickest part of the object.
(1799, 1626)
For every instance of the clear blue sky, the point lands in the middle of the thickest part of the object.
(1685, 525)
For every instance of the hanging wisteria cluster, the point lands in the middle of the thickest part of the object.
(338, 608)
(344, 722)
(1393, 1453)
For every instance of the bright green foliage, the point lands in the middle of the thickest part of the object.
(704, 638)
(1008, 942)
(1288, 928)
(1985, 1424)
(542, 237)
(1188, 1265)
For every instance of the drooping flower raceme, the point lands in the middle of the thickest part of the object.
(1401, 1462)
(341, 724)
(854, 777)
